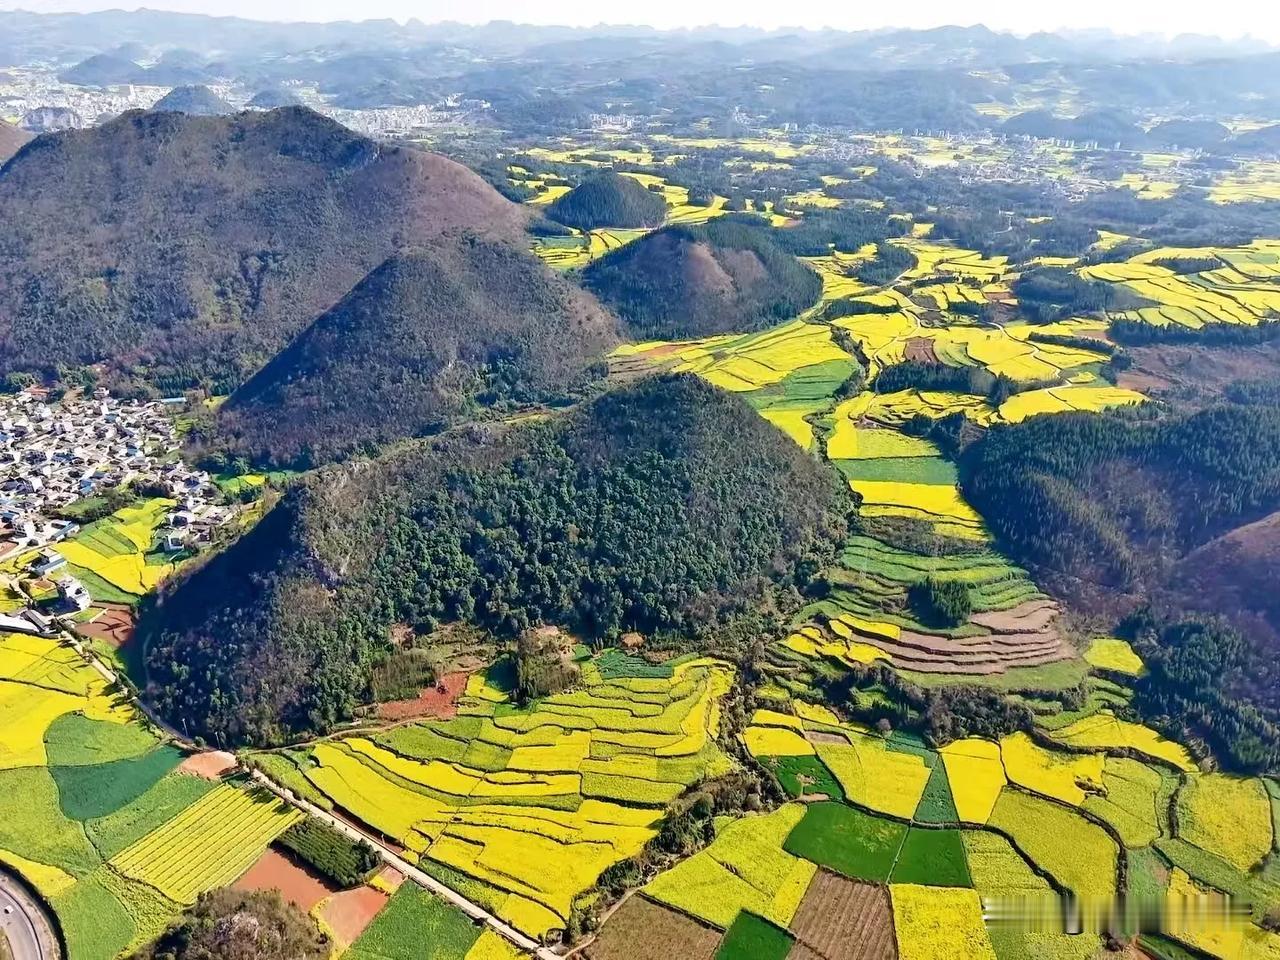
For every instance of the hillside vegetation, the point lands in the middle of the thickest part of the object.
(694, 281)
(11, 140)
(267, 220)
(666, 507)
(609, 200)
(1109, 501)
(1181, 513)
(423, 339)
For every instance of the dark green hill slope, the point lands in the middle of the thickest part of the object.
(185, 250)
(669, 506)
(609, 200)
(1181, 514)
(424, 338)
(1108, 502)
(725, 276)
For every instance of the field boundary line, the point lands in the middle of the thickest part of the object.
(472, 910)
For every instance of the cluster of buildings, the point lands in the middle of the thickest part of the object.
(34, 97)
(391, 122)
(55, 454)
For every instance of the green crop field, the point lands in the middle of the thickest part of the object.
(848, 841)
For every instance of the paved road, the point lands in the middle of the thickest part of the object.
(475, 912)
(24, 923)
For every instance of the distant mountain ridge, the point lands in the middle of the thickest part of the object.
(63, 35)
(268, 219)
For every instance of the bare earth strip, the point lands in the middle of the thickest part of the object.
(840, 919)
(297, 884)
(643, 930)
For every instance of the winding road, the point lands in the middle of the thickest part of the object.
(24, 923)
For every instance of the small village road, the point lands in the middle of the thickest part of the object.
(24, 923)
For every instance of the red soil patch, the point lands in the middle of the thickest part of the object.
(439, 701)
(349, 912)
(389, 878)
(920, 349)
(114, 624)
(275, 871)
(211, 765)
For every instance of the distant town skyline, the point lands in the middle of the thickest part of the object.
(1257, 18)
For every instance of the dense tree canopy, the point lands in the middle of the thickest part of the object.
(729, 275)
(609, 200)
(229, 924)
(664, 508)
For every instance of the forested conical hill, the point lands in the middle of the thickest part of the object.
(11, 140)
(424, 338)
(609, 200)
(198, 101)
(185, 250)
(694, 281)
(668, 506)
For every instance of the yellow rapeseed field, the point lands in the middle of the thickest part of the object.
(976, 775)
(936, 922)
(874, 776)
(1228, 816)
(1061, 776)
(208, 844)
(1104, 730)
(1112, 653)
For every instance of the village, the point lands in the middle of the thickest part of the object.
(69, 462)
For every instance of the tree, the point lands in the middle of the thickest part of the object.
(940, 602)
(231, 924)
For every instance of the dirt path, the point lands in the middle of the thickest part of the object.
(472, 910)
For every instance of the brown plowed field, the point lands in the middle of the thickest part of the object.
(643, 930)
(114, 624)
(349, 912)
(840, 919)
(920, 349)
(275, 871)
(1034, 615)
(440, 701)
(211, 764)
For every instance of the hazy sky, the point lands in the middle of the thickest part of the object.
(1261, 18)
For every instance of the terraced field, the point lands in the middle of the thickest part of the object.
(1243, 289)
(208, 845)
(116, 557)
(581, 779)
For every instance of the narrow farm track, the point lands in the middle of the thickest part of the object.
(474, 911)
